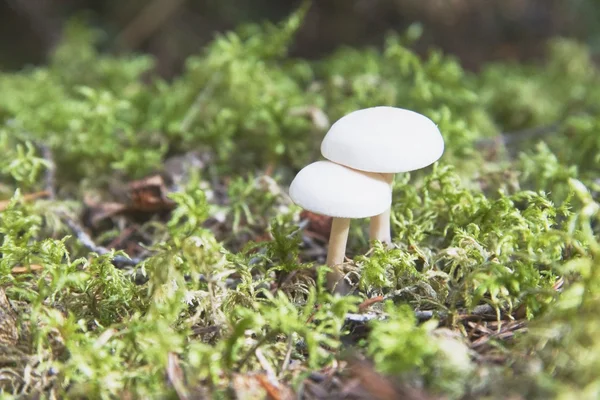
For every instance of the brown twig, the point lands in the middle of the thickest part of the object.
(88, 243)
(120, 261)
(504, 334)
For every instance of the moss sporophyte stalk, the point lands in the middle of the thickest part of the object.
(484, 284)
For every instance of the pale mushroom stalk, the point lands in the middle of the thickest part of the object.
(327, 188)
(379, 228)
(337, 250)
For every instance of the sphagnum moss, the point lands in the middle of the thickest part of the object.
(487, 233)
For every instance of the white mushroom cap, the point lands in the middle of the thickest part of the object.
(331, 189)
(383, 139)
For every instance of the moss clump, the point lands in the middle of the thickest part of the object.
(226, 282)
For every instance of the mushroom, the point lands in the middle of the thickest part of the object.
(343, 193)
(384, 140)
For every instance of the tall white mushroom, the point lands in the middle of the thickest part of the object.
(331, 189)
(385, 140)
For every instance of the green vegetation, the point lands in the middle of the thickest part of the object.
(507, 222)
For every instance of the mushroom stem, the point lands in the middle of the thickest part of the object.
(337, 251)
(379, 228)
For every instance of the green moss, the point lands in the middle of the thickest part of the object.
(496, 225)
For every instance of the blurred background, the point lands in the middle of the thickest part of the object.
(475, 30)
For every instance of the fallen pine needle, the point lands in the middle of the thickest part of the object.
(367, 303)
(26, 197)
(23, 269)
(272, 392)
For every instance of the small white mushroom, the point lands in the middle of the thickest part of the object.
(385, 140)
(343, 193)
